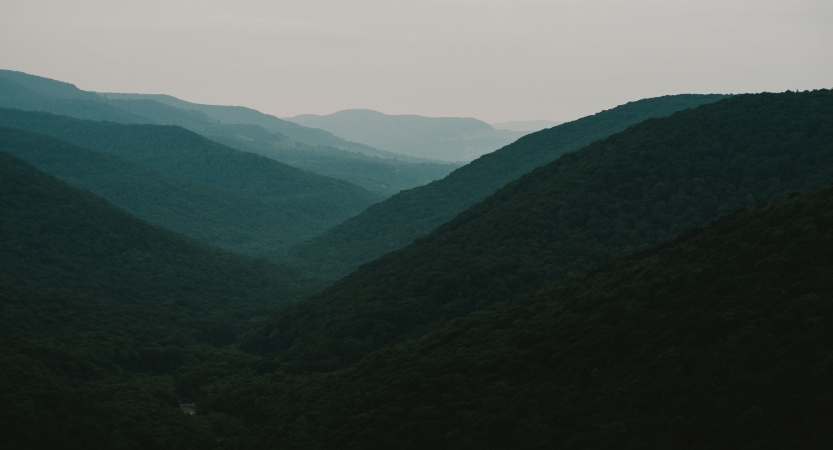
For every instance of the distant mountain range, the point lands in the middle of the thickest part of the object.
(310, 149)
(454, 139)
(182, 181)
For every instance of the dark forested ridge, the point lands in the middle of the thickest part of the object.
(636, 189)
(245, 224)
(99, 310)
(396, 222)
(309, 149)
(181, 153)
(720, 339)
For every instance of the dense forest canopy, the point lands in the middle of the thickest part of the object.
(99, 309)
(394, 223)
(720, 339)
(633, 190)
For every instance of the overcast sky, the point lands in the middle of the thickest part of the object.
(494, 60)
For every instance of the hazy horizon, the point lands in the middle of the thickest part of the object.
(495, 61)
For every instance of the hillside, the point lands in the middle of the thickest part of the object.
(633, 190)
(720, 339)
(180, 153)
(100, 309)
(401, 219)
(450, 139)
(309, 149)
(236, 222)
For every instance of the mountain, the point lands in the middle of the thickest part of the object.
(719, 339)
(100, 310)
(179, 153)
(443, 138)
(527, 126)
(401, 219)
(309, 149)
(238, 115)
(636, 189)
(213, 215)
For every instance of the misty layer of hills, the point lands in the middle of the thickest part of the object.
(657, 275)
(443, 138)
(309, 149)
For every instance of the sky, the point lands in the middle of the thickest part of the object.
(493, 60)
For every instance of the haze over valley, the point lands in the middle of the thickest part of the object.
(575, 225)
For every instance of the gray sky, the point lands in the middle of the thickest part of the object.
(494, 60)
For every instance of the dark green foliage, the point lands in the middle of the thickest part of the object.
(180, 153)
(98, 310)
(396, 222)
(720, 339)
(636, 189)
(216, 216)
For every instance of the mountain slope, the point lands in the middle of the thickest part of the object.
(238, 115)
(442, 138)
(638, 188)
(180, 153)
(212, 215)
(309, 149)
(720, 339)
(100, 309)
(394, 223)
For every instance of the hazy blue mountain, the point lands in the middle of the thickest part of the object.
(15, 95)
(240, 115)
(399, 220)
(213, 215)
(528, 126)
(442, 138)
(183, 154)
(245, 129)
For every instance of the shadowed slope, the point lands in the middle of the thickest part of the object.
(633, 190)
(396, 222)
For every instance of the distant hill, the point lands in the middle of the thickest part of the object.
(309, 149)
(100, 310)
(214, 215)
(528, 126)
(442, 138)
(396, 222)
(180, 153)
(719, 339)
(636, 189)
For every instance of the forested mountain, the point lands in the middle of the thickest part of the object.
(99, 309)
(313, 150)
(180, 153)
(635, 189)
(442, 138)
(237, 222)
(722, 338)
(238, 115)
(394, 223)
